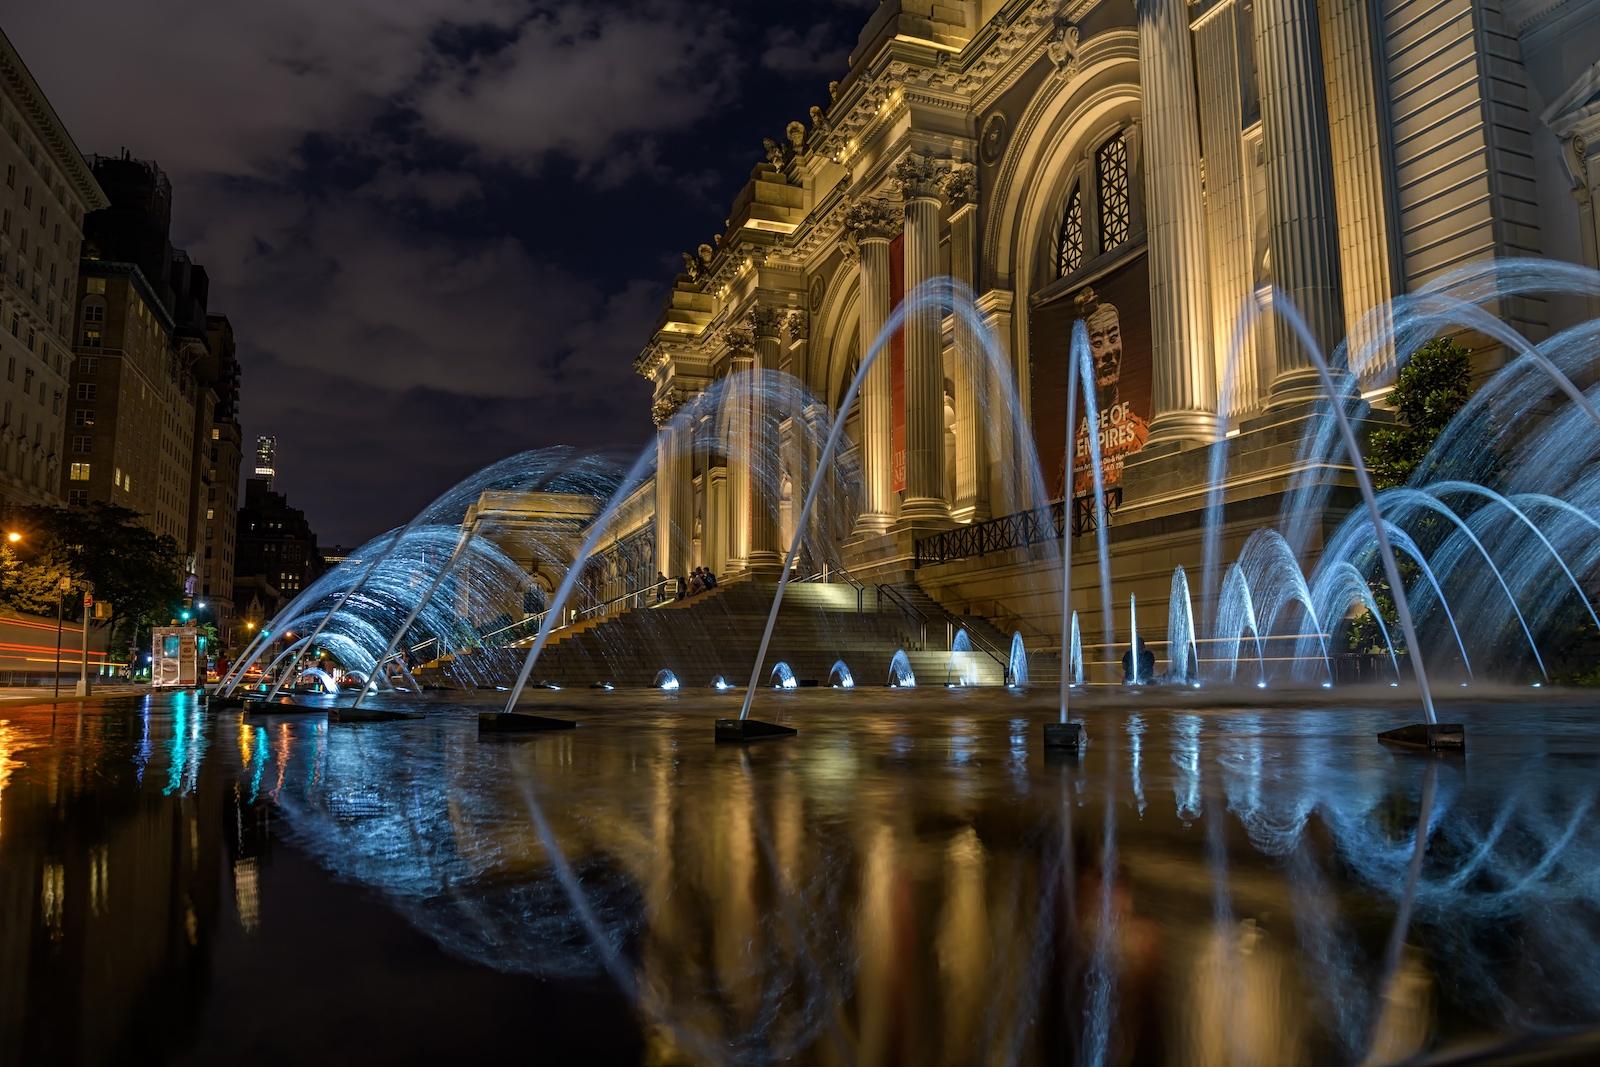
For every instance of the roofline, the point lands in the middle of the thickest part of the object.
(32, 100)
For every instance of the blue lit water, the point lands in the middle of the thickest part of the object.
(911, 880)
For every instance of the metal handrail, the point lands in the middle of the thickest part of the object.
(829, 573)
(908, 609)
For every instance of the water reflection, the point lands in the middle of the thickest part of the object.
(918, 887)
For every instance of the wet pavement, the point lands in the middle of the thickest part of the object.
(912, 879)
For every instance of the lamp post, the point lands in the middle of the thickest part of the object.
(61, 595)
(83, 669)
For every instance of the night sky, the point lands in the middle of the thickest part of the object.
(442, 228)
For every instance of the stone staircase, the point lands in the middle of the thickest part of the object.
(719, 632)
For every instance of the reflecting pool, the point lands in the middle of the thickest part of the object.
(910, 880)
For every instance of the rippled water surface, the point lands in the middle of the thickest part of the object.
(910, 880)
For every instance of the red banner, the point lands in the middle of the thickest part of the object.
(897, 364)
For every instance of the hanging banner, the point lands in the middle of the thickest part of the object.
(1115, 308)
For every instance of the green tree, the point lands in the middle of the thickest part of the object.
(101, 547)
(1433, 386)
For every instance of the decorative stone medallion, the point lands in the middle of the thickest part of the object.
(992, 140)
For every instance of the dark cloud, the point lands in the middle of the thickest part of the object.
(442, 228)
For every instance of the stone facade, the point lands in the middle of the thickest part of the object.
(1153, 168)
(46, 192)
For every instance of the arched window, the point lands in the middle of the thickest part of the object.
(1069, 247)
(1111, 174)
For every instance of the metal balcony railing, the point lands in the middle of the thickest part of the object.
(1018, 530)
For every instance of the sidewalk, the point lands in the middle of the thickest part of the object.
(43, 694)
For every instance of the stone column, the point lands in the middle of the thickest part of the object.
(972, 366)
(1303, 231)
(741, 363)
(763, 553)
(872, 224)
(920, 178)
(1183, 362)
(799, 461)
(674, 519)
(1010, 492)
(1360, 195)
(1216, 46)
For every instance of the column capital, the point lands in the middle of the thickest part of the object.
(872, 219)
(961, 185)
(666, 406)
(740, 343)
(766, 321)
(920, 177)
(798, 325)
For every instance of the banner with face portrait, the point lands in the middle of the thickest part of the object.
(1116, 309)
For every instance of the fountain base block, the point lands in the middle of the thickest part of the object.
(219, 702)
(257, 709)
(739, 730)
(519, 722)
(370, 715)
(1437, 737)
(1065, 735)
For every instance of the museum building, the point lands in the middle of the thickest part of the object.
(1163, 170)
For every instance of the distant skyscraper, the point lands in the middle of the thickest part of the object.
(266, 457)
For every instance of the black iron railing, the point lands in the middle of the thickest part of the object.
(1018, 530)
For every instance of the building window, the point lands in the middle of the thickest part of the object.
(88, 364)
(1069, 256)
(86, 390)
(91, 338)
(79, 472)
(94, 312)
(83, 417)
(1116, 210)
(27, 379)
(81, 443)
(78, 497)
(96, 286)
(11, 369)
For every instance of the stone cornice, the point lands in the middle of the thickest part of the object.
(31, 101)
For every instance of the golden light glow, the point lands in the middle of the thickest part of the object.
(13, 536)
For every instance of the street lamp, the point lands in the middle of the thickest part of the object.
(13, 536)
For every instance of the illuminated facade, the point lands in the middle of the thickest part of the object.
(1151, 168)
(46, 192)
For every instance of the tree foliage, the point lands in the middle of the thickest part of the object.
(1432, 387)
(103, 550)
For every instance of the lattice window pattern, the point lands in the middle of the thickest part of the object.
(1069, 254)
(1111, 168)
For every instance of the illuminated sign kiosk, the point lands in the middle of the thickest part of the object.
(175, 657)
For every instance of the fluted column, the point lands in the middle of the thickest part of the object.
(1183, 363)
(741, 363)
(1366, 265)
(1216, 46)
(872, 224)
(920, 178)
(1302, 228)
(972, 368)
(766, 323)
(674, 500)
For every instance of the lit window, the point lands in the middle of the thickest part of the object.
(97, 285)
(211, 513)
(216, 434)
(79, 472)
(1116, 210)
(1069, 256)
